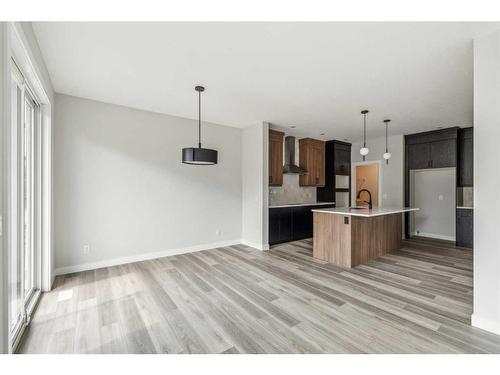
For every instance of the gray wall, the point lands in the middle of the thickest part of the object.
(392, 173)
(433, 191)
(486, 181)
(121, 188)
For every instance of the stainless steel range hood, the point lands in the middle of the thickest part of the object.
(290, 167)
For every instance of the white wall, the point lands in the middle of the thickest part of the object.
(121, 188)
(433, 191)
(3, 255)
(254, 185)
(486, 313)
(392, 173)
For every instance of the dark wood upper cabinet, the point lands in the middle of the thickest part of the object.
(275, 157)
(465, 158)
(312, 159)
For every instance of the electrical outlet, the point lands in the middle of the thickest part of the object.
(86, 249)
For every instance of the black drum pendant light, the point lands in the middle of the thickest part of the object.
(199, 155)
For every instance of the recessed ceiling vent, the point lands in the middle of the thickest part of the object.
(290, 167)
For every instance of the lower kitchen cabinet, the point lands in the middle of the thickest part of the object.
(291, 223)
(302, 222)
(464, 227)
(274, 225)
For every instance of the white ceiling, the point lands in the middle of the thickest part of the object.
(315, 76)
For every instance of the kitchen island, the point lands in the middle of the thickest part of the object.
(351, 236)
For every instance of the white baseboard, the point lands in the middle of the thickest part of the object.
(255, 245)
(141, 257)
(434, 235)
(486, 324)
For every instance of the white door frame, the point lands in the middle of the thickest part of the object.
(17, 49)
(353, 179)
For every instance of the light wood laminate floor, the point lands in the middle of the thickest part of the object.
(240, 300)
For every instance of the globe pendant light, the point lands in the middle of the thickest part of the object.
(199, 155)
(387, 154)
(364, 150)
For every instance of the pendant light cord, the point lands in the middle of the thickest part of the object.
(364, 130)
(386, 127)
(199, 119)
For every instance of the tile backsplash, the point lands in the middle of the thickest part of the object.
(291, 192)
(465, 197)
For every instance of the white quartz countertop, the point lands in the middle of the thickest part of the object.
(365, 212)
(301, 204)
(465, 207)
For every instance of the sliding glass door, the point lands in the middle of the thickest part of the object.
(25, 254)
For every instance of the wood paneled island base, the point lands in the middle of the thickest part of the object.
(348, 240)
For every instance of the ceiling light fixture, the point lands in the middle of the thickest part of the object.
(387, 154)
(199, 155)
(364, 150)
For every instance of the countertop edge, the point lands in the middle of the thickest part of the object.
(302, 204)
(390, 212)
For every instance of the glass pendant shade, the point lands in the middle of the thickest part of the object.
(364, 151)
(387, 155)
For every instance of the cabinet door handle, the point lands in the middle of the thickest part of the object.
(270, 178)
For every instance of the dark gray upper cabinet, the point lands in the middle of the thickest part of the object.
(465, 157)
(436, 149)
(419, 156)
(443, 153)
